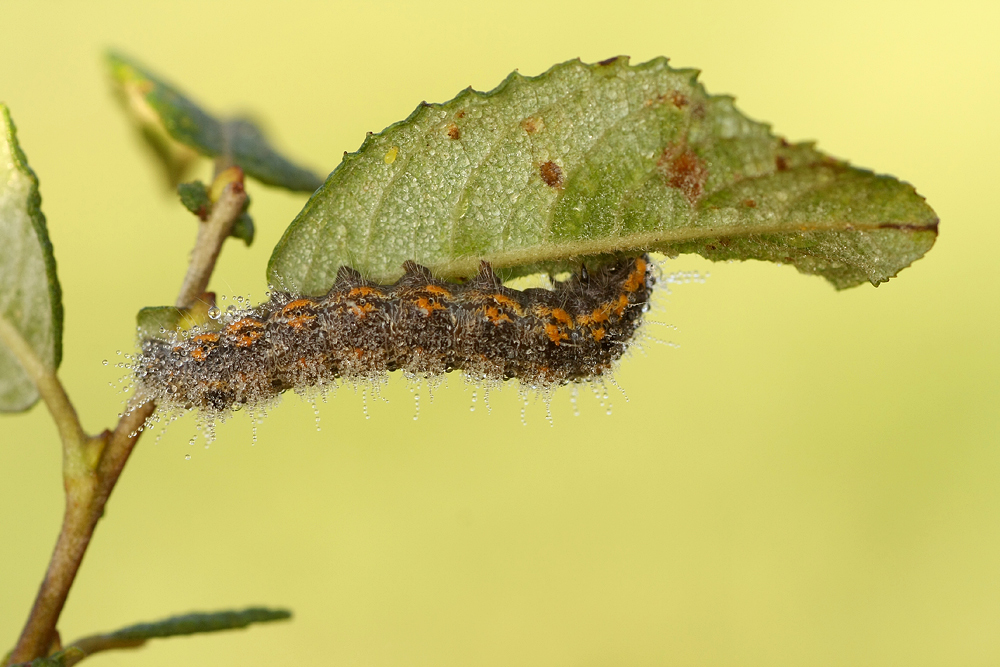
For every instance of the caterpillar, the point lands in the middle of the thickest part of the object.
(422, 325)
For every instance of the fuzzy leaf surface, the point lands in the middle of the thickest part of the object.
(586, 161)
(174, 126)
(30, 296)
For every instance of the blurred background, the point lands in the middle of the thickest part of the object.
(811, 478)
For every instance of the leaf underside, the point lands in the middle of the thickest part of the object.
(176, 129)
(586, 161)
(30, 296)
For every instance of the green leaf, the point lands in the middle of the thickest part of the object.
(190, 624)
(591, 160)
(30, 297)
(135, 636)
(155, 321)
(243, 229)
(174, 125)
(194, 197)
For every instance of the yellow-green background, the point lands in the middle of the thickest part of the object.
(813, 478)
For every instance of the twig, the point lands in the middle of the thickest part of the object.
(91, 466)
(211, 234)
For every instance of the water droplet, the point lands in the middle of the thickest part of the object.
(105, 362)
(214, 313)
(187, 457)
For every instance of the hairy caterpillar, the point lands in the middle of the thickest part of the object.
(421, 325)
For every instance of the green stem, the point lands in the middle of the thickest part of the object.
(49, 388)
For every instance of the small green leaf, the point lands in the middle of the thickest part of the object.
(30, 296)
(190, 624)
(155, 321)
(135, 636)
(194, 197)
(243, 228)
(174, 125)
(590, 160)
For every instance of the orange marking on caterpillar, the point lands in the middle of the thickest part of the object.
(206, 338)
(598, 334)
(507, 302)
(618, 307)
(297, 319)
(363, 291)
(554, 334)
(494, 315)
(360, 310)
(437, 289)
(561, 316)
(428, 306)
(637, 278)
(596, 316)
(295, 305)
(198, 353)
(246, 331)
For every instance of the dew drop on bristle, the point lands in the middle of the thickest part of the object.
(214, 312)
(574, 394)
(187, 457)
(105, 362)
(315, 409)
(613, 381)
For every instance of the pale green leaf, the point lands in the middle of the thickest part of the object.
(30, 297)
(591, 160)
(176, 129)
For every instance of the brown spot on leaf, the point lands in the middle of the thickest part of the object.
(609, 61)
(684, 170)
(532, 124)
(454, 132)
(780, 163)
(678, 99)
(749, 203)
(460, 114)
(552, 174)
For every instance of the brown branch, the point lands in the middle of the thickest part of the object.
(211, 234)
(89, 480)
